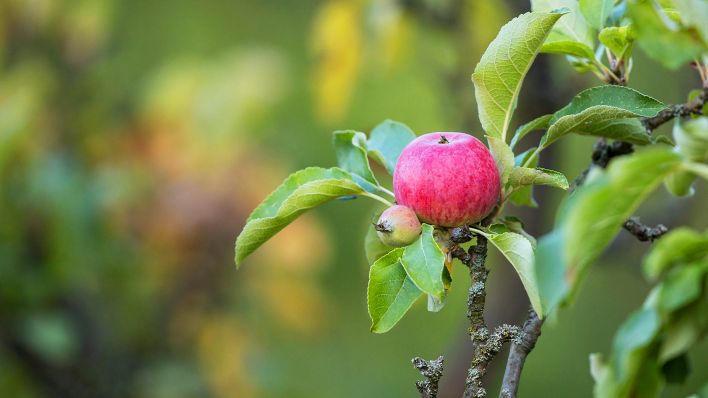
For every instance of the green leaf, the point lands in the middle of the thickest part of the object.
(681, 245)
(521, 176)
(649, 380)
(680, 183)
(501, 70)
(685, 328)
(373, 247)
(602, 111)
(592, 217)
(694, 13)
(391, 293)
(629, 130)
(703, 393)
(550, 270)
(568, 47)
(630, 370)
(514, 224)
(696, 92)
(539, 123)
(660, 37)
(598, 210)
(524, 195)
(520, 253)
(663, 139)
(351, 149)
(692, 139)
(623, 98)
(424, 263)
(598, 367)
(571, 27)
(596, 11)
(618, 39)
(300, 192)
(435, 305)
(386, 142)
(583, 66)
(698, 169)
(503, 156)
(636, 333)
(270, 205)
(681, 287)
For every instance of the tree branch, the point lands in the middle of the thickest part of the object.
(644, 232)
(602, 153)
(693, 107)
(521, 347)
(432, 371)
(486, 348)
(601, 156)
(486, 345)
(478, 330)
(477, 292)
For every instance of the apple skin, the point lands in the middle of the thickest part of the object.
(398, 226)
(448, 179)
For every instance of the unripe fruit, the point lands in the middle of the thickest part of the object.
(398, 226)
(448, 179)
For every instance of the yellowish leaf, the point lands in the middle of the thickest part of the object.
(337, 44)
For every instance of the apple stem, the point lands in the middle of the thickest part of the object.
(443, 140)
(386, 191)
(479, 231)
(378, 198)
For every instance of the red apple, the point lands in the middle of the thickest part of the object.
(398, 226)
(448, 179)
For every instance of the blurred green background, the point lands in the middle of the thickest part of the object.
(137, 135)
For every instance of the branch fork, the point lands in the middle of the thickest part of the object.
(432, 371)
(486, 344)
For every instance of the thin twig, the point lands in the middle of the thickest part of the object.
(644, 232)
(432, 371)
(602, 153)
(693, 107)
(518, 352)
(486, 348)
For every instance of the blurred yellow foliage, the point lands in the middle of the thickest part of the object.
(337, 45)
(394, 30)
(287, 283)
(303, 246)
(34, 15)
(485, 19)
(210, 106)
(21, 104)
(222, 350)
(298, 304)
(85, 28)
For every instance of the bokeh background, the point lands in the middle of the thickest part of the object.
(137, 135)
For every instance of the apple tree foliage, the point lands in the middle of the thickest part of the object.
(650, 347)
